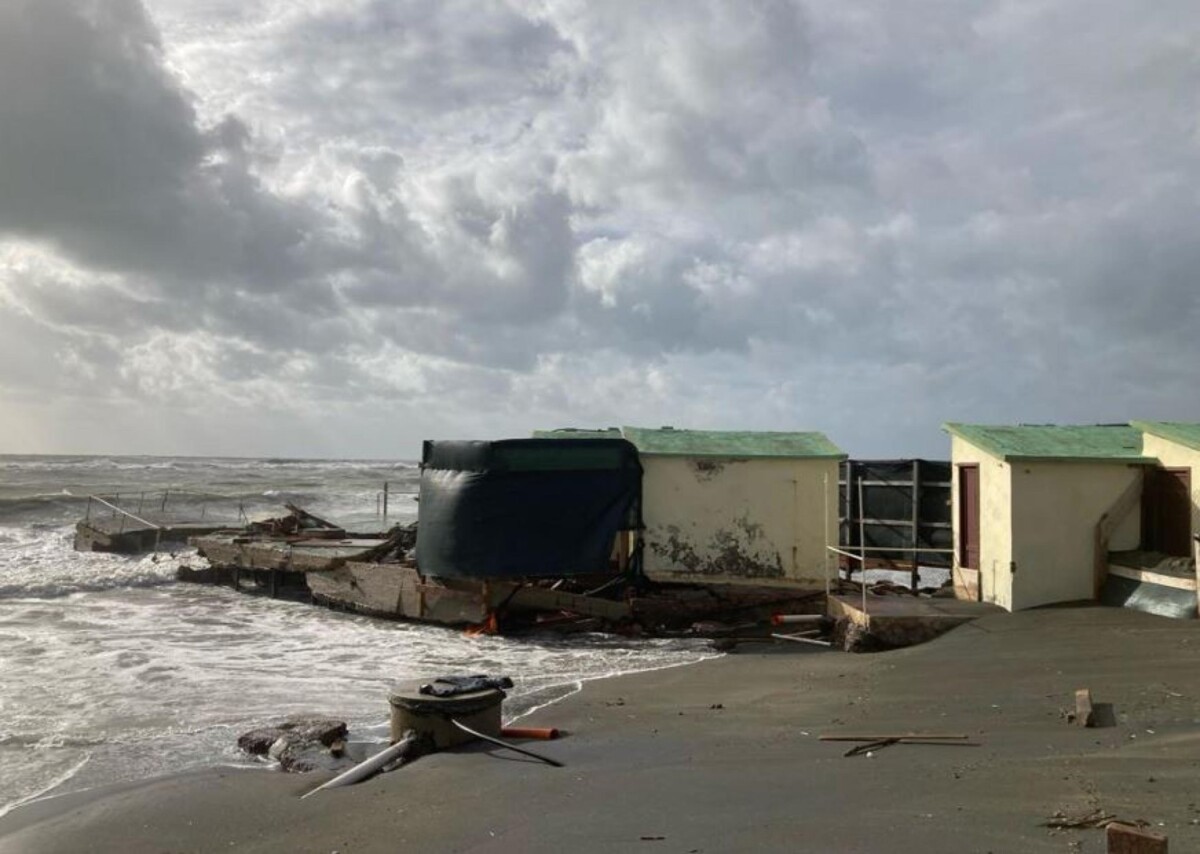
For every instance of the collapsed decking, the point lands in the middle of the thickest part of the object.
(108, 527)
(121, 535)
(1047, 513)
(493, 516)
(520, 532)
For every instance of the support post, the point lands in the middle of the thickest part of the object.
(1109, 521)
(826, 560)
(862, 547)
(385, 504)
(916, 523)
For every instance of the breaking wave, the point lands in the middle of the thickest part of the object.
(114, 672)
(41, 564)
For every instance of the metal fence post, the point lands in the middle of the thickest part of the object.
(862, 546)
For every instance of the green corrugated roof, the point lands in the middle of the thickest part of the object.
(578, 433)
(1118, 443)
(1180, 432)
(713, 443)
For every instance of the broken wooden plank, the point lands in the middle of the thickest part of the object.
(871, 746)
(1095, 818)
(923, 736)
(1091, 714)
(1083, 707)
(544, 599)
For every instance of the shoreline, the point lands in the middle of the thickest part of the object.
(724, 755)
(575, 686)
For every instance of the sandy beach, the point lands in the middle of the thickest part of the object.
(725, 756)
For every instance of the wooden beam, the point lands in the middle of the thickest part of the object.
(544, 599)
(1196, 564)
(1107, 525)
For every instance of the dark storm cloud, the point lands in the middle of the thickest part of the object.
(480, 216)
(102, 155)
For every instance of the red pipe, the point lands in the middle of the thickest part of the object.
(537, 732)
(785, 619)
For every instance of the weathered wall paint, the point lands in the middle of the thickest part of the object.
(995, 519)
(1176, 456)
(1056, 507)
(734, 519)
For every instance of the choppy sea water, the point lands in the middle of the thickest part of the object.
(113, 671)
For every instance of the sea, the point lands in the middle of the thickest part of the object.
(112, 671)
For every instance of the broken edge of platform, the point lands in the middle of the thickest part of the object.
(898, 621)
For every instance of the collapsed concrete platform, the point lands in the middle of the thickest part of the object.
(897, 621)
(132, 536)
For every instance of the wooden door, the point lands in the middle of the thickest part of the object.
(968, 516)
(1167, 512)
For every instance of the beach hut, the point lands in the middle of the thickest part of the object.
(1036, 508)
(733, 506)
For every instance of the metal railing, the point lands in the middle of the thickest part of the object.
(160, 499)
(126, 514)
(861, 557)
(153, 501)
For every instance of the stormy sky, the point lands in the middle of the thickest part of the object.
(336, 227)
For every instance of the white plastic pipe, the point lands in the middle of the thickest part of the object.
(797, 639)
(368, 767)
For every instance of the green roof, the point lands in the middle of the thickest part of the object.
(713, 443)
(1180, 432)
(578, 433)
(1115, 443)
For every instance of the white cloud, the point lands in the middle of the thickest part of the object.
(376, 220)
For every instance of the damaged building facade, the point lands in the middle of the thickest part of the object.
(732, 506)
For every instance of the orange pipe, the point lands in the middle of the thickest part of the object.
(537, 732)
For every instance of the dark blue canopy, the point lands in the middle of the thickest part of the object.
(525, 507)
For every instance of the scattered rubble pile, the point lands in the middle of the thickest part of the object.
(297, 522)
(300, 744)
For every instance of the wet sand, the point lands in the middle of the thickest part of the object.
(724, 756)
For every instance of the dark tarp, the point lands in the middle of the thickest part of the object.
(525, 507)
(1148, 597)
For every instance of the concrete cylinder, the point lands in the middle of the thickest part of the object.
(480, 710)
